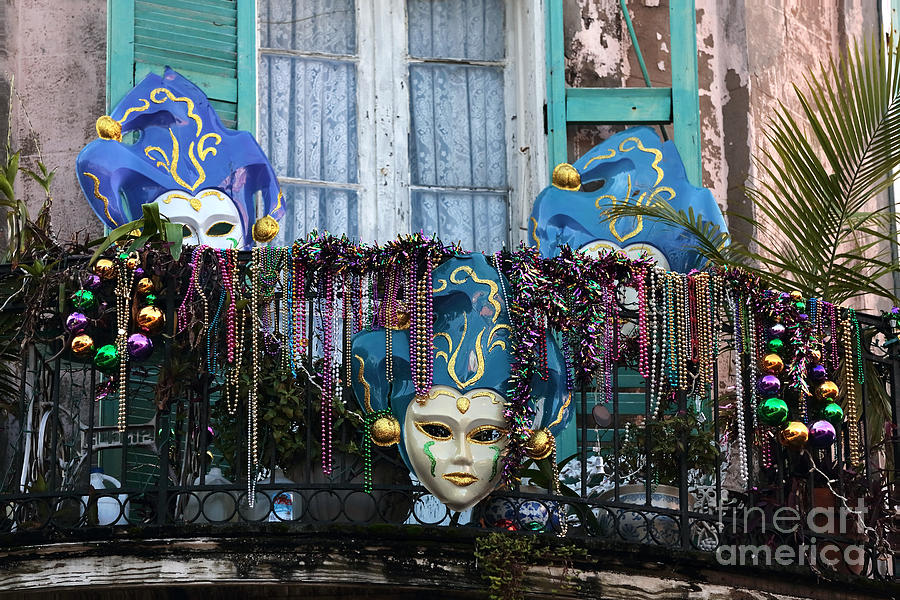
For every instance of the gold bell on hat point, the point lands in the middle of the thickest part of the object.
(265, 230)
(540, 445)
(566, 177)
(386, 431)
(109, 129)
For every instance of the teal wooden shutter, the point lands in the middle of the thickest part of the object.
(211, 42)
(678, 105)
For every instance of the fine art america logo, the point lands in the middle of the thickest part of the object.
(785, 523)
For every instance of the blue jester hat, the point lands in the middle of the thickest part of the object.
(471, 335)
(181, 147)
(631, 166)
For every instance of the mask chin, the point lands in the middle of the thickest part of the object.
(209, 217)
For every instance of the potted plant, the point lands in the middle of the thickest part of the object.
(649, 459)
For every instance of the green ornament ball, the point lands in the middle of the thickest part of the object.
(84, 300)
(107, 358)
(801, 306)
(773, 411)
(834, 414)
(150, 299)
(775, 345)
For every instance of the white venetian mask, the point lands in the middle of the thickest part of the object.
(455, 443)
(209, 218)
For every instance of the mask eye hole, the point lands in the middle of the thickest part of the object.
(186, 231)
(593, 186)
(486, 434)
(219, 229)
(434, 430)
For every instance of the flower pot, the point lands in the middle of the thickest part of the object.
(646, 526)
(531, 514)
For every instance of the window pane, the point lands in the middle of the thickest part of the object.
(466, 29)
(307, 117)
(325, 209)
(478, 220)
(458, 133)
(308, 25)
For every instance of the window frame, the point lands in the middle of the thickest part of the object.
(384, 120)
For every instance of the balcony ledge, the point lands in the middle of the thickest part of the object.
(376, 560)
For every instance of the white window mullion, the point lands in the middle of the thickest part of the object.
(400, 96)
(525, 99)
(366, 98)
(391, 104)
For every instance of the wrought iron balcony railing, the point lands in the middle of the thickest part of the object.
(630, 470)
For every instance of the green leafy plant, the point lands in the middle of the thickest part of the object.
(663, 443)
(504, 560)
(818, 232)
(284, 409)
(151, 227)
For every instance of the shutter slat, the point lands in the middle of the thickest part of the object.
(223, 89)
(148, 28)
(183, 50)
(181, 63)
(211, 42)
(204, 9)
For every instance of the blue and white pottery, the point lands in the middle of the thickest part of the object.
(645, 526)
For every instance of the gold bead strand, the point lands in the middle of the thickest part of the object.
(850, 391)
(123, 316)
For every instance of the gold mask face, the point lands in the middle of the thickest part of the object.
(455, 443)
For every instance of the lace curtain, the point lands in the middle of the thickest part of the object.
(308, 117)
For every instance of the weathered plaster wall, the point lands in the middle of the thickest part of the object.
(750, 55)
(54, 51)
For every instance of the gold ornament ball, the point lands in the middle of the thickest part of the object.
(145, 286)
(772, 363)
(265, 230)
(566, 177)
(540, 445)
(150, 319)
(794, 435)
(814, 357)
(796, 295)
(828, 390)
(105, 268)
(82, 345)
(386, 431)
(132, 263)
(109, 129)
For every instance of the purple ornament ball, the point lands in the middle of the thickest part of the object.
(803, 317)
(93, 281)
(818, 374)
(776, 331)
(139, 272)
(821, 434)
(140, 347)
(76, 322)
(768, 385)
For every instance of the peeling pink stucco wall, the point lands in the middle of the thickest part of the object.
(54, 54)
(750, 54)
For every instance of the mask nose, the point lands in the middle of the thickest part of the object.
(463, 456)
